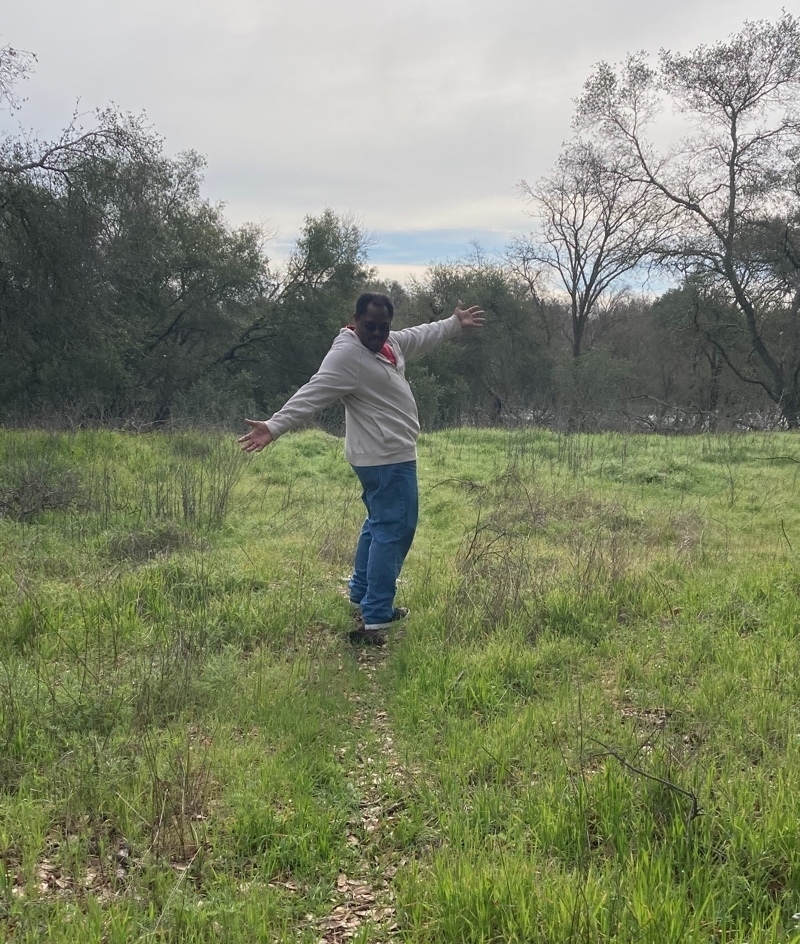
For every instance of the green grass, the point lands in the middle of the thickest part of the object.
(590, 730)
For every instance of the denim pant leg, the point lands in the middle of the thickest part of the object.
(358, 582)
(390, 495)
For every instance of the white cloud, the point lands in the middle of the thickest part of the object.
(414, 116)
(401, 273)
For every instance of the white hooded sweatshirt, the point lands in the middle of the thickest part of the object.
(381, 422)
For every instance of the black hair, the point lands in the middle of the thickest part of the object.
(373, 298)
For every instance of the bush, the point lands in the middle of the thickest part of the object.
(36, 478)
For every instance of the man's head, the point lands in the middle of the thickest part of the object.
(373, 320)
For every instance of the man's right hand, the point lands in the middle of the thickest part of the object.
(258, 437)
(471, 317)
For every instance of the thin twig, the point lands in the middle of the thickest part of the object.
(663, 593)
(466, 483)
(175, 887)
(695, 810)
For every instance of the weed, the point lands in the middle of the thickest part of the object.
(156, 540)
(37, 478)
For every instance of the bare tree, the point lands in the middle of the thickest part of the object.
(521, 261)
(730, 180)
(596, 226)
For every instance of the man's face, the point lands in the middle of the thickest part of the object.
(372, 328)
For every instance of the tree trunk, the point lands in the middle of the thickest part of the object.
(790, 410)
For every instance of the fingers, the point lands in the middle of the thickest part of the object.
(471, 317)
(472, 310)
(251, 445)
(257, 438)
(254, 424)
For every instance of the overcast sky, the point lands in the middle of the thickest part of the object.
(418, 117)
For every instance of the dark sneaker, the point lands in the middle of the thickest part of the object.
(400, 613)
(367, 637)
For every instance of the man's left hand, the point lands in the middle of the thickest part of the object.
(469, 317)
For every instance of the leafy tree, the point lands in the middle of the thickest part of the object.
(180, 279)
(507, 369)
(700, 382)
(55, 340)
(733, 174)
(123, 292)
(118, 283)
(284, 335)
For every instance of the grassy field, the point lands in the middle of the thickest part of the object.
(589, 729)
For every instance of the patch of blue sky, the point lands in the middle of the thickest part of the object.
(423, 247)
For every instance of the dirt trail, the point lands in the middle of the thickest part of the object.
(364, 897)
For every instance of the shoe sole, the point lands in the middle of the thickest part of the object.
(401, 614)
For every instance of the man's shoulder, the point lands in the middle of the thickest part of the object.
(346, 340)
(345, 348)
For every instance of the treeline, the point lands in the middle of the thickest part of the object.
(126, 298)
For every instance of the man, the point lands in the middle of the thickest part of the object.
(365, 369)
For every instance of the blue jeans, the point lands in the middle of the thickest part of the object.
(390, 494)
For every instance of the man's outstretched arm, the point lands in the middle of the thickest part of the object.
(336, 377)
(416, 341)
